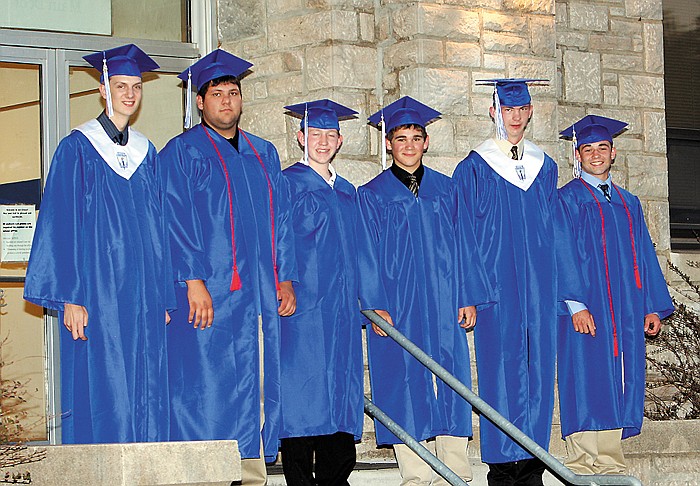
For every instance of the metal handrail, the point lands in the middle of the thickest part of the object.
(437, 465)
(496, 418)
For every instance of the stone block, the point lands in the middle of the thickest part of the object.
(436, 21)
(315, 28)
(275, 64)
(544, 125)
(653, 47)
(625, 26)
(246, 48)
(609, 42)
(412, 52)
(645, 9)
(366, 27)
(582, 77)
(283, 7)
(286, 86)
(568, 115)
(525, 67)
(260, 90)
(444, 164)
(480, 104)
(647, 176)
(623, 62)
(530, 6)
(561, 16)
(263, 119)
(631, 116)
(637, 44)
(442, 137)
(627, 144)
(340, 4)
(240, 19)
(462, 54)
(617, 10)
(642, 91)
(510, 43)
(543, 35)
(609, 78)
(340, 66)
(588, 17)
(654, 132)
(656, 214)
(504, 22)
(153, 463)
(572, 39)
(447, 90)
(472, 128)
(496, 62)
(610, 95)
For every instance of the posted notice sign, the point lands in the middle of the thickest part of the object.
(17, 222)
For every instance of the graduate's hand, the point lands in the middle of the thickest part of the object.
(466, 316)
(652, 324)
(201, 307)
(384, 315)
(287, 299)
(167, 317)
(583, 322)
(75, 318)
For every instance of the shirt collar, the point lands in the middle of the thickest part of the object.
(116, 136)
(403, 175)
(233, 140)
(505, 146)
(595, 182)
(334, 174)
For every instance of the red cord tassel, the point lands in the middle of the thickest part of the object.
(235, 280)
(277, 280)
(637, 277)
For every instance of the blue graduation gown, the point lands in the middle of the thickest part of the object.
(100, 242)
(515, 339)
(412, 265)
(215, 392)
(610, 393)
(322, 341)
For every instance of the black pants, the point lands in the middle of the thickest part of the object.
(527, 472)
(335, 459)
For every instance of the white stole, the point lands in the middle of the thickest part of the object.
(521, 173)
(123, 160)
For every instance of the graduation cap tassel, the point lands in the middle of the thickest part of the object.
(188, 102)
(382, 144)
(306, 134)
(500, 126)
(108, 91)
(577, 163)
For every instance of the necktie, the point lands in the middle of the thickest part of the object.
(606, 190)
(413, 184)
(514, 152)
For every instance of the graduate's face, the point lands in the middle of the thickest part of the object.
(126, 96)
(596, 158)
(407, 147)
(221, 108)
(323, 144)
(515, 120)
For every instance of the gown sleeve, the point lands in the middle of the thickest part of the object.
(54, 274)
(373, 295)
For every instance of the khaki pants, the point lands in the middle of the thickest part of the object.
(253, 471)
(595, 452)
(450, 450)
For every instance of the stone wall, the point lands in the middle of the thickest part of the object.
(601, 57)
(610, 62)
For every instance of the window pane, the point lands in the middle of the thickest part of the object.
(22, 351)
(156, 19)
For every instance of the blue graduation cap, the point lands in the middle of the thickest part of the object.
(323, 114)
(404, 111)
(591, 129)
(509, 92)
(217, 64)
(319, 114)
(126, 60)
